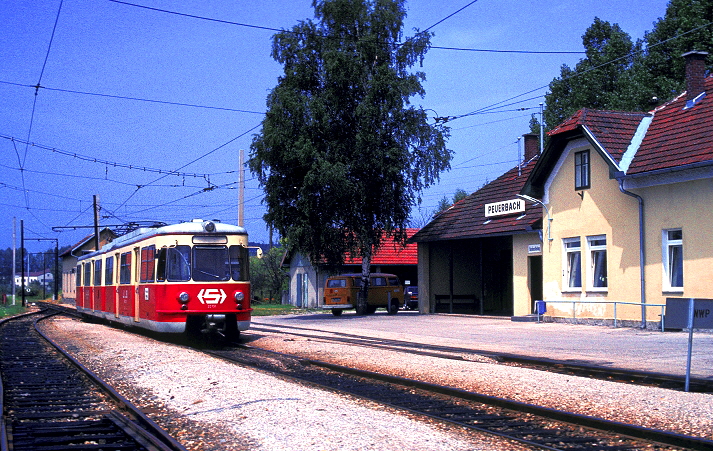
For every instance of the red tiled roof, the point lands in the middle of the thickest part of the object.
(612, 129)
(466, 218)
(392, 253)
(677, 136)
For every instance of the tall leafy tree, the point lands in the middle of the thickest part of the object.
(685, 27)
(343, 155)
(595, 80)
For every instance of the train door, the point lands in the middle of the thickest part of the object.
(87, 266)
(137, 268)
(126, 289)
(109, 287)
(117, 258)
(147, 289)
(97, 283)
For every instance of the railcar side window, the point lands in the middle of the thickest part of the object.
(88, 274)
(109, 271)
(178, 264)
(125, 269)
(97, 272)
(79, 275)
(239, 266)
(211, 263)
(148, 264)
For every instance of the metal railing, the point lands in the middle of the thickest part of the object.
(541, 310)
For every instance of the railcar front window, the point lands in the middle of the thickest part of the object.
(211, 263)
(178, 264)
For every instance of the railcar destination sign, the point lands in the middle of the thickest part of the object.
(506, 207)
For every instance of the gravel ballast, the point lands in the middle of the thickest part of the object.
(209, 404)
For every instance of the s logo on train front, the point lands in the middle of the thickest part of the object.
(189, 278)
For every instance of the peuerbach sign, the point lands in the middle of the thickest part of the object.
(506, 207)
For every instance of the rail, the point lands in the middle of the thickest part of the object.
(541, 307)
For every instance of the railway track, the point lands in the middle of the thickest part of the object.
(539, 428)
(50, 402)
(650, 379)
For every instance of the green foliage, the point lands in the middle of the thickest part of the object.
(278, 309)
(618, 74)
(445, 204)
(594, 82)
(267, 278)
(342, 155)
(9, 310)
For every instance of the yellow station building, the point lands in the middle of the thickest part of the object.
(630, 202)
(617, 217)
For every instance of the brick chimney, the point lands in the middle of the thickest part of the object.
(695, 73)
(532, 146)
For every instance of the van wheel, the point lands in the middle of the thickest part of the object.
(393, 307)
(337, 312)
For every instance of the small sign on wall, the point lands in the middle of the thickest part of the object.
(534, 248)
(506, 207)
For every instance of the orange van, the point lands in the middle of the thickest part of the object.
(385, 290)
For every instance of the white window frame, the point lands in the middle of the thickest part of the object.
(597, 245)
(571, 246)
(668, 246)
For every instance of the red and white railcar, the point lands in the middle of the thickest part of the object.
(191, 277)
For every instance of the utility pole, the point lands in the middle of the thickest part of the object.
(241, 189)
(14, 258)
(542, 128)
(96, 222)
(22, 254)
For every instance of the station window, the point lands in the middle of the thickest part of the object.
(125, 268)
(581, 170)
(109, 271)
(97, 272)
(597, 261)
(673, 259)
(148, 263)
(572, 263)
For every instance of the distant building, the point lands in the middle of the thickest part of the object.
(307, 282)
(69, 261)
(44, 277)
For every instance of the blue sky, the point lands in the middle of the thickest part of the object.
(128, 86)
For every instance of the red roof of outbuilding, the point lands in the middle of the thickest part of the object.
(392, 253)
(466, 218)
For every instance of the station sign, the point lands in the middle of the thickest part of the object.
(534, 248)
(506, 207)
(678, 310)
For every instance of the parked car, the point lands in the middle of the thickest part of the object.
(411, 296)
(385, 290)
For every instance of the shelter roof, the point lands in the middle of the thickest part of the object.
(466, 218)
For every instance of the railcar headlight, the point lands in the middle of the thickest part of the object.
(239, 296)
(209, 226)
(183, 297)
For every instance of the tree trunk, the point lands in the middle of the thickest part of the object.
(363, 296)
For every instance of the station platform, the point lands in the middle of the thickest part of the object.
(621, 348)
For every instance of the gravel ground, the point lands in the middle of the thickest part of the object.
(685, 413)
(208, 404)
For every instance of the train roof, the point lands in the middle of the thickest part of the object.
(195, 227)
